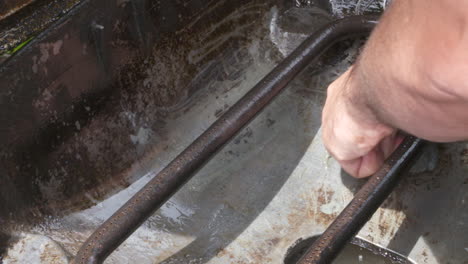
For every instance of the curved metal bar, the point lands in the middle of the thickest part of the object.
(156, 192)
(364, 204)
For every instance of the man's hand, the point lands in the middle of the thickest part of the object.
(411, 76)
(353, 135)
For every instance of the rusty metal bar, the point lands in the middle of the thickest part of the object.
(156, 192)
(364, 204)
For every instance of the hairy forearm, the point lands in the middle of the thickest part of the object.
(413, 72)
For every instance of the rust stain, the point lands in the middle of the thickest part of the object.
(324, 196)
(224, 252)
(383, 227)
(390, 221)
(255, 254)
(312, 211)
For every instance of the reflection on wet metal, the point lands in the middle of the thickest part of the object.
(364, 204)
(150, 198)
(357, 251)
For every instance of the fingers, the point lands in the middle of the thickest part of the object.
(371, 162)
(355, 138)
(364, 166)
(390, 143)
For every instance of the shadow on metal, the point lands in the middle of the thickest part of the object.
(153, 195)
(364, 204)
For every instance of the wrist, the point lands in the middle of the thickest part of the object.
(359, 101)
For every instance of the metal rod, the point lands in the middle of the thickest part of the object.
(155, 193)
(364, 204)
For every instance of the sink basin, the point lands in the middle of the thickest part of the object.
(107, 95)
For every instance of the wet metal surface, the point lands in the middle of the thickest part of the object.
(107, 139)
(357, 251)
(363, 205)
(72, 97)
(134, 212)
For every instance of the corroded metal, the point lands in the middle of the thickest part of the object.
(9, 7)
(68, 87)
(365, 250)
(364, 204)
(154, 194)
(26, 19)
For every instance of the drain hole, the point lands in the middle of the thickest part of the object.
(357, 251)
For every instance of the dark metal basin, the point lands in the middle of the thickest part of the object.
(110, 91)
